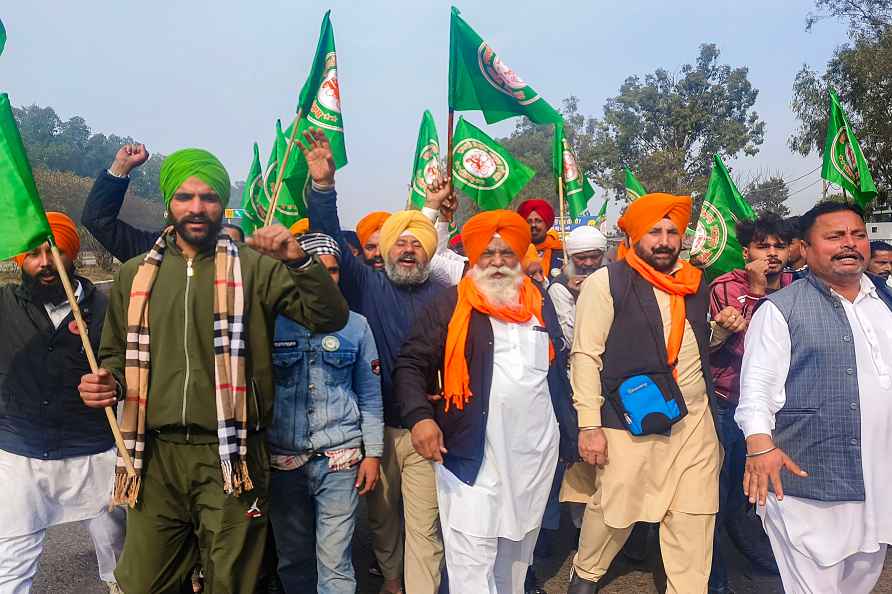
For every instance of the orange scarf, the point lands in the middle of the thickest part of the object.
(684, 282)
(547, 246)
(456, 380)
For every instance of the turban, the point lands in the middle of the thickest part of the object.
(479, 230)
(584, 239)
(542, 207)
(64, 233)
(300, 227)
(413, 223)
(641, 216)
(319, 244)
(368, 224)
(193, 162)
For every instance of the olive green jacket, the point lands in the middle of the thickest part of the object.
(181, 327)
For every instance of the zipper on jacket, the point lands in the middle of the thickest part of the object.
(189, 274)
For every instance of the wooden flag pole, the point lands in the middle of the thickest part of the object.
(88, 349)
(449, 146)
(271, 213)
(563, 220)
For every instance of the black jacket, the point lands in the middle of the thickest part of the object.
(100, 217)
(41, 412)
(464, 431)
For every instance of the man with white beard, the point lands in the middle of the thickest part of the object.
(493, 425)
(585, 248)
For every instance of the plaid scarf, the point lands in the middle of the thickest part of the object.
(229, 370)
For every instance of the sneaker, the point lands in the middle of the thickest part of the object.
(114, 588)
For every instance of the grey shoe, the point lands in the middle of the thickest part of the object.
(581, 586)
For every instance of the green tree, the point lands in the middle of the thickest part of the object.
(667, 126)
(861, 73)
(768, 194)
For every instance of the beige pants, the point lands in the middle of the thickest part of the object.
(685, 545)
(406, 476)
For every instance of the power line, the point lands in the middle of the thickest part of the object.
(802, 189)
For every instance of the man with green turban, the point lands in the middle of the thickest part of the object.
(187, 345)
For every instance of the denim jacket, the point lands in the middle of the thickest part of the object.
(328, 389)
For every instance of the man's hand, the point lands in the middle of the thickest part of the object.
(99, 390)
(593, 446)
(367, 475)
(756, 276)
(436, 193)
(128, 158)
(535, 272)
(762, 469)
(317, 152)
(731, 320)
(427, 439)
(276, 241)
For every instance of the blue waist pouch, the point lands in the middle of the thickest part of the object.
(648, 408)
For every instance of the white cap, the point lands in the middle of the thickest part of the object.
(584, 239)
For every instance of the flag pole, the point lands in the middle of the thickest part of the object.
(409, 198)
(271, 213)
(563, 220)
(449, 146)
(88, 349)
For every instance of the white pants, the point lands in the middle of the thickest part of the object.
(857, 574)
(19, 555)
(487, 565)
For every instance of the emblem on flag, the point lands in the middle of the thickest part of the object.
(479, 167)
(711, 235)
(502, 77)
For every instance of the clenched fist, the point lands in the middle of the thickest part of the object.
(128, 158)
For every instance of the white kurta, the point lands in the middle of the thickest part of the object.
(829, 532)
(508, 498)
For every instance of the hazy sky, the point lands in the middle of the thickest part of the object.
(217, 74)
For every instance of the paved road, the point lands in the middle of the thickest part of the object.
(69, 567)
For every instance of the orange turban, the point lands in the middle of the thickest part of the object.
(479, 230)
(641, 216)
(300, 227)
(369, 224)
(64, 232)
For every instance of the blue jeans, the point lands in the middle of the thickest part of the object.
(312, 512)
(731, 497)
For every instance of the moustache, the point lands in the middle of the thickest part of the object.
(195, 219)
(848, 254)
(663, 250)
(407, 258)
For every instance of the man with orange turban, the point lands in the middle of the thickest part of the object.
(645, 402)
(57, 456)
(368, 231)
(539, 215)
(492, 425)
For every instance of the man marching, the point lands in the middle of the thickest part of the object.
(495, 434)
(643, 391)
(56, 456)
(188, 340)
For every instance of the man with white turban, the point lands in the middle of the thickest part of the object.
(585, 248)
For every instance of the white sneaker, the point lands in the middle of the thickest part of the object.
(114, 588)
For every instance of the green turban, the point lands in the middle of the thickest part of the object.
(193, 162)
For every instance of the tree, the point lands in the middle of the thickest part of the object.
(667, 126)
(861, 73)
(533, 144)
(768, 195)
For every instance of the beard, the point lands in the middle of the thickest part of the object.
(658, 265)
(43, 293)
(199, 241)
(500, 291)
(407, 277)
(574, 270)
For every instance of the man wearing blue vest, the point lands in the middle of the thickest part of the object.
(816, 401)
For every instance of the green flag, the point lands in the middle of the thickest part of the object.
(633, 187)
(844, 163)
(320, 105)
(23, 227)
(602, 214)
(479, 80)
(715, 239)
(426, 167)
(253, 200)
(2, 37)
(577, 189)
(486, 172)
